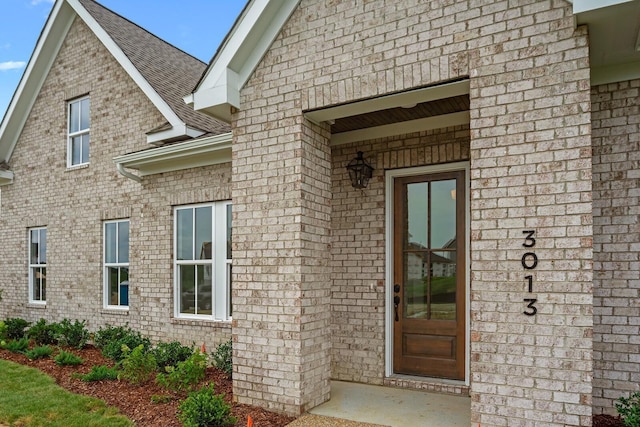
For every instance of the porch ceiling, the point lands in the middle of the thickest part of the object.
(405, 113)
(426, 108)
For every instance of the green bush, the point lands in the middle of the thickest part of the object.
(17, 346)
(72, 334)
(111, 339)
(15, 328)
(629, 409)
(3, 330)
(204, 408)
(65, 358)
(223, 358)
(138, 365)
(41, 352)
(170, 354)
(99, 373)
(185, 375)
(43, 333)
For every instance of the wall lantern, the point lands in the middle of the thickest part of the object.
(360, 171)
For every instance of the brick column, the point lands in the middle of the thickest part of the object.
(281, 297)
(531, 171)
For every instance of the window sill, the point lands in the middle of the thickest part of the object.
(115, 311)
(76, 167)
(188, 321)
(40, 305)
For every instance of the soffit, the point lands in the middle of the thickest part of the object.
(614, 38)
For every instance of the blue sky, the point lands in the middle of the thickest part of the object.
(195, 26)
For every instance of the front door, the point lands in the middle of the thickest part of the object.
(429, 275)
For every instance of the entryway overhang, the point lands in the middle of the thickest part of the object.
(416, 110)
(614, 38)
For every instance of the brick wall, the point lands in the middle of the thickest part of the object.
(530, 169)
(73, 203)
(616, 158)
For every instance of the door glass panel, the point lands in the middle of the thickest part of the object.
(415, 285)
(417, 221)
(443, 214)
(443, 285)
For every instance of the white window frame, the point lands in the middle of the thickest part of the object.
(37, 265)
(119, 265)
(80, 132)
(219, 264)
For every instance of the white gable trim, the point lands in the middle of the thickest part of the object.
(45, 52)
(249, 39)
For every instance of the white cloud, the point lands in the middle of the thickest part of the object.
(12, 65)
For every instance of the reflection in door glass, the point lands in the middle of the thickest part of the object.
(443, 214)
(416, 269)
(443, 286)
(417, 220)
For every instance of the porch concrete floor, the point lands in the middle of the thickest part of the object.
(388, 406)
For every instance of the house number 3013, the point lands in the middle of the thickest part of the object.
(529, 261)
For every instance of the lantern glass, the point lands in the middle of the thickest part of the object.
(360, 171)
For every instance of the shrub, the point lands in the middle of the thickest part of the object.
(15, 328)
(203, 408)
(629, 409)
(41, 352)
(72, 334)
(223, 358)
(111, 339)
(185, 375)
(43, 333)
(99, 373)
(3, 330)
(67, 359)
(138, 365)
(170, 354)
(17, 346)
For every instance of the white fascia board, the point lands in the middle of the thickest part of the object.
(184, 155)
(386, 102)
(402, 128)
(247, 43)
(37, 69)
(6, 177)
(128, 66)
(581, 6)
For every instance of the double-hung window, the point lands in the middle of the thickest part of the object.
(78, 136)
(116, 264)
(38, 265)
(202, 261)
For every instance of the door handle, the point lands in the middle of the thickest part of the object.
(396, 302)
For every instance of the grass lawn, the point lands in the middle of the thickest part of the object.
(29, 398)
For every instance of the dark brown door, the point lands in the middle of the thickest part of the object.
(429, 275)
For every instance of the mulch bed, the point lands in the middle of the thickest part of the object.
(603, 420)
(134, 401)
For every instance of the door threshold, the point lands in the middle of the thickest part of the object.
(435, 385)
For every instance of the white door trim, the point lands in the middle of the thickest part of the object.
(389, 177)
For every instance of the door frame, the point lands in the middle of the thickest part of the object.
(390, 175)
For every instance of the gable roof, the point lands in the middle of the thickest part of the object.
(163, 72)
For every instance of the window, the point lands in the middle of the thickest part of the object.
(78, 140)
(203, 261)
(116, 264)
(38, 265)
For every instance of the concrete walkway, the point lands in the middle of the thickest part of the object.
(355, 405)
